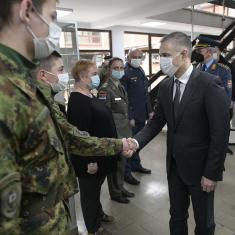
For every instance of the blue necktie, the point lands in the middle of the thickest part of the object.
(204, 67)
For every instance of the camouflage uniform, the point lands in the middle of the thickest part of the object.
(34, 166)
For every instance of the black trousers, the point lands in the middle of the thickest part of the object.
(90, 188)
(203, 206)
(134, 163)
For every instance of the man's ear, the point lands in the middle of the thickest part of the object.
(26, 11)
(41, 75)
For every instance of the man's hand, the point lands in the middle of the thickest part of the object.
(128, 148)
(132, 123)
(92, 168)
(132, 144)
(208, 185)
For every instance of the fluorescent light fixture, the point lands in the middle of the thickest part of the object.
(153, 24)
(62, 12)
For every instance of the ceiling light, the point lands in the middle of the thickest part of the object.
(153, 24)
(62, 12)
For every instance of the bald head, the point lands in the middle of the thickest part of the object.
(134, 52)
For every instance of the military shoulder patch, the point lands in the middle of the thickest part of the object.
(229, 84)
(10, 196)
(102, 95)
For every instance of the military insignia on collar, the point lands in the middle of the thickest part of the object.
(134, 78)
(214, 66)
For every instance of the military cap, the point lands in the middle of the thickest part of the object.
(107, 57)
(204, 42)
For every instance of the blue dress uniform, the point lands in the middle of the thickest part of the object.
(139, 106)
(224, 73)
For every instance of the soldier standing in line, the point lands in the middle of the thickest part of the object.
(33, 136)
(212, 66)
(113, 94)
(140, 110)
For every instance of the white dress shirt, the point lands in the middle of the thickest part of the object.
(183, 81)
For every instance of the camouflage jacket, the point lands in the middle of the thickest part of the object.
(33, 160)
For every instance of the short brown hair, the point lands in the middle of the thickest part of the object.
(81, 68)
(6, 10)
(112, 60)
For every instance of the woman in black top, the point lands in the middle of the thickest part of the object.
(91, 115)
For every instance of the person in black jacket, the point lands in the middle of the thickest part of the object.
(89, 114)
(195, 109)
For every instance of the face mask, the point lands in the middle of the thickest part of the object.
(117, 74)
(136, 63)
(63, 79)
(167, 66)
(43, 47)
(62, 83)
(215, 56)
(95, 81)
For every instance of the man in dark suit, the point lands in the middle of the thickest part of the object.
(195, 110)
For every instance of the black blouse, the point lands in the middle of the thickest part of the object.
(91, 115)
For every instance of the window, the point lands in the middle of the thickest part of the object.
(94, 44)
(149, 44)
(68, 45)
(66, 40)
(216, 9)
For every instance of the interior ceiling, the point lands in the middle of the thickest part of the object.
(105, 13)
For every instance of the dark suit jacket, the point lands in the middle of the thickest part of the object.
(198, 138)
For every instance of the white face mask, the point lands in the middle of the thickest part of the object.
(62, 83)
(136, 63)
(215, 56)
(43, 47)
(167, 66)
(63, 78)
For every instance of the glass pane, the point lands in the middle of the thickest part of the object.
(219, 9)
(68, 43)
(155, 41)
(136, 41)
(231, 12)
(145, 63)
(92, 40)
(98, 57)
(155, 63)
(205, 7)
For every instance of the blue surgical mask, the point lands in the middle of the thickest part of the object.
(117, 74)
(136, 63)
(95, 81)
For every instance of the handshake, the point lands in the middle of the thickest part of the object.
(130, 146)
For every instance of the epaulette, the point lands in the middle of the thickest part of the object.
(223, 66)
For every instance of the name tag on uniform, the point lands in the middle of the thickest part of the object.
(134, 78)
(117, 99)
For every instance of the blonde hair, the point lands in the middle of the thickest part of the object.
(81, 68)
